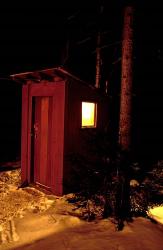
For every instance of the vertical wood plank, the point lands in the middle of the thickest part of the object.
(44, 140)
(37, 128)
(24, 134)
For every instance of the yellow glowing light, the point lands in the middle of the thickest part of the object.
(88, 114)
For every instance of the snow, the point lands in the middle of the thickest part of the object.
(32, 220)
(156, 213)
(38, 231)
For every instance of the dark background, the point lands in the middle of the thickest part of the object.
(63, 33)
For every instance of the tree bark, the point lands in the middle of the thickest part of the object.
(126, 80)
(98, 61)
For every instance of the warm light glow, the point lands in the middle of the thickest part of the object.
(88, 114)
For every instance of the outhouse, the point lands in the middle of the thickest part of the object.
(57, 108)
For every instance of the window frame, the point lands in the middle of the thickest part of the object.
(95, 115)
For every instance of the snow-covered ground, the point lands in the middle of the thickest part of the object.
(32, 220)
(48, 231)
(156, 213)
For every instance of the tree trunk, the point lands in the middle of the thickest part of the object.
(126, 80)
(98, 61)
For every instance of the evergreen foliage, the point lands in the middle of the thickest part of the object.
(103, 178)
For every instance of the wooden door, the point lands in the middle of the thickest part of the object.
(41, 140)
(42, 145)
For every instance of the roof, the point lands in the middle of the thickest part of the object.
(46, 74)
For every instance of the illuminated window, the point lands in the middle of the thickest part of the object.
(88, 114)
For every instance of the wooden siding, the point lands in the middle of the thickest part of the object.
(74, 133)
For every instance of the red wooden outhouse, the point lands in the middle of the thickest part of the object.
(57, 108)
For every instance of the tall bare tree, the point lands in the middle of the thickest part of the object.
(126, 80)
(98, 60)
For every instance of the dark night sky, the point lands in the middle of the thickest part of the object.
(35, 36)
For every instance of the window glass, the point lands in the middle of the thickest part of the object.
(88, 114)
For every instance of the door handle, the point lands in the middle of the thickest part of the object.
(35, 130)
